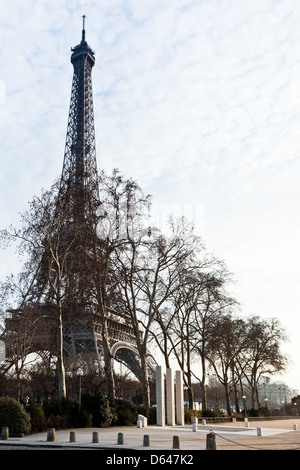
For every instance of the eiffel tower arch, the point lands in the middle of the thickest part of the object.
(78, 198)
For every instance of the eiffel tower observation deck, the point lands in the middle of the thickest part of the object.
(83, 318)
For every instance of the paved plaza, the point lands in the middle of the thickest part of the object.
(274, 435)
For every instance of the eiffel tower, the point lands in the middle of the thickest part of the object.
(78, 199)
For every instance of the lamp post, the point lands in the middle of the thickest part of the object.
(245, 408)
(266, 403)
(79, 373)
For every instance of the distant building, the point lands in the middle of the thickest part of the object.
(276, 395)
(273, 395)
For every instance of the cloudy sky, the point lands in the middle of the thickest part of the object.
(198, 100)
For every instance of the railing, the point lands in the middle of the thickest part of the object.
(214, 419)
(271, 418)
(227, 419)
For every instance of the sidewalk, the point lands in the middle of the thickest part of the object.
(276, 435)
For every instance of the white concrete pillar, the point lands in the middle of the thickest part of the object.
(170, 398)
(179, 398)
(160, 397)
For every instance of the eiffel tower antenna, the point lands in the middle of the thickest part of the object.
(83, 27)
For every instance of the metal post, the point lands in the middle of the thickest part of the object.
(211, 441)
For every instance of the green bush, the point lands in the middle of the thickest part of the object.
(263, 411)
(189, 413)
(64, 413)
(150, 413)
(125, 413)
(207, 413)
(37, 415)
(98, 407)
(14, 416)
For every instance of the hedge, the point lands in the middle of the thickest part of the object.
(14, 416)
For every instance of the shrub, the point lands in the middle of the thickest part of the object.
(189, 413)
(253, 412)
(63, 413)
(263, 411)
(150, 413)
(99, 408)
(14, 416)
(207, 413)
(37, 415)
(125, 413)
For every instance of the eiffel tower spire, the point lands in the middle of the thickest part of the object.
(79, 174)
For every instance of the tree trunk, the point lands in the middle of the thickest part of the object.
(145, 380)
(236, 397)
(227, 397)
(60, 360)
(18, 385)
(108, 362)
(191, 398)
(203, 384)
(190, 391)
(203, 395)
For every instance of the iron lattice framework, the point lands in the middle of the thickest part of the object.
(79, 174)
(77, 202)
(79, 188)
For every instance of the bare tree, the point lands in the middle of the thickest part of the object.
(21, 332)
(262, 355)
(45, 242)
(123, 211)
(225, 345)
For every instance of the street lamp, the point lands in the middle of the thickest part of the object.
(266, 402)
(79, 373)
(245, 409)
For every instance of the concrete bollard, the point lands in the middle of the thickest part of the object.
(120, 440)
(211, 441)
(95, 439)
(194, 419)
(295, 427)
(246, 424)
(72, 436)
(204, 422)
(5, 433)
(143, 419)
(146, 442)
(259, 431)
(176, 442)
(194, 427)
(51, 435)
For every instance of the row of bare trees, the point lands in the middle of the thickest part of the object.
(174, 291)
